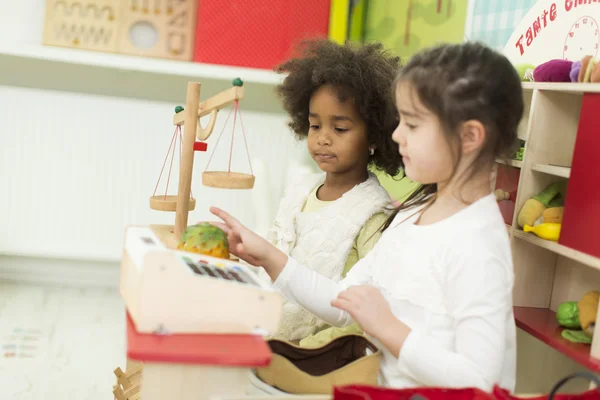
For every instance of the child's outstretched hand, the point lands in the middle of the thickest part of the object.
(249, 246)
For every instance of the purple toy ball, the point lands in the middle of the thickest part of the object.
(553, 71)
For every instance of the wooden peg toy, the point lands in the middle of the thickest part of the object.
(502, 195)
(128, 385)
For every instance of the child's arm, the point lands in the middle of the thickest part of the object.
(316, 292)
(367, 237)
(298, 283)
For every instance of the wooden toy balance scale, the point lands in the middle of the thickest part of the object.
(194, 322)
(183, 203)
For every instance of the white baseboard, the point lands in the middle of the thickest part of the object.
(50, 271)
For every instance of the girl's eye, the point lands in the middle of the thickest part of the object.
(341, 130)
(314, 127)
(410, 126)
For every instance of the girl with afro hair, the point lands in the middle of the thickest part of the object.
(339, 100)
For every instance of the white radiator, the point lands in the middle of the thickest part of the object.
(77, 169)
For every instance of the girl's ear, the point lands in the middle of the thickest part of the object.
(472, 136)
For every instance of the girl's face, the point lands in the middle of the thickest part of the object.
(425, 151)
(337, 137)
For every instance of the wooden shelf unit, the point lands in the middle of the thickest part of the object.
(512, 163)
(558, 249)
(127, 76)
(556, 170)
(558, 132)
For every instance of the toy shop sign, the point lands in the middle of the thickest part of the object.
(556, 29)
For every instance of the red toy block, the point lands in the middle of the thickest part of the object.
(200, 146)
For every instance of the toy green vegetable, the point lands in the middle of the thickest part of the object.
(567, 315)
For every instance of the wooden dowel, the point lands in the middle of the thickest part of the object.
(187, 157)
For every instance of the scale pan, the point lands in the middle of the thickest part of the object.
(227, 180)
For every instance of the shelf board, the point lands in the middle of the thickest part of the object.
(512, 163)
(558, 248)
(119, 75)
(568, 87)
(556, 170)
(541, 324)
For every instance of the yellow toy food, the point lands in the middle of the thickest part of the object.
(548, 231)
(532, 212)
(553, 215)
(590, 70)
(588, 308)
(205, 239)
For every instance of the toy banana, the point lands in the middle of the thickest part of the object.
(548, 230)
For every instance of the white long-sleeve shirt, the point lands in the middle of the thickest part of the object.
(450, 282)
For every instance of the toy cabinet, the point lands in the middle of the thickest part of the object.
(562, 142)
(580, 229)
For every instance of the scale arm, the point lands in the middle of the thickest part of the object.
(216, 102)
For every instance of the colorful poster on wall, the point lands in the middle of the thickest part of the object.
(346, 20)
(407, 26)
(493, 21)
(399, 187)
(556, 29)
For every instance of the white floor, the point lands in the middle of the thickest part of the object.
(59, 343)
(64, 343)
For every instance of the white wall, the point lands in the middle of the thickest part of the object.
(77, 168)
(22, 21)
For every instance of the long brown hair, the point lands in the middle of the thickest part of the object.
(461, 82)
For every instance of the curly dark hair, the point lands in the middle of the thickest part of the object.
(364, 73)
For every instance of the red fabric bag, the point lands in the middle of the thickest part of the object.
(356, 392)
(359, 392)
(592, 394)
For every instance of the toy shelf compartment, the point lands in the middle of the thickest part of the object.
(548, 273)
(541, 324)
(556, 248)
(553, 126)
(523, 128)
